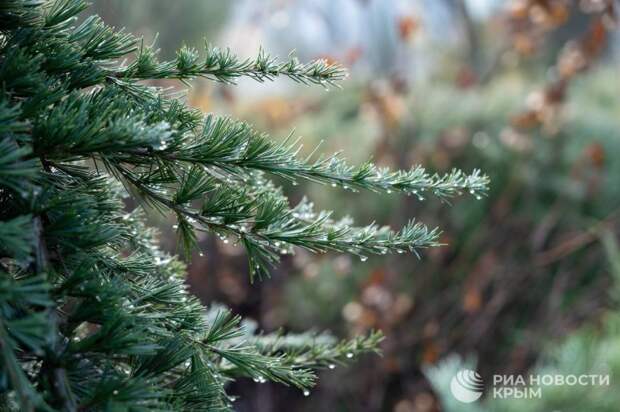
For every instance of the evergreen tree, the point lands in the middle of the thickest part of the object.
(92, 314)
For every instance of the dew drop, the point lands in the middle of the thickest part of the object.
(349, 355)
(306, 392)
(331, 366)
(115, 392)
(363, 258)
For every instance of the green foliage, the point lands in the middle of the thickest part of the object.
(93, 316)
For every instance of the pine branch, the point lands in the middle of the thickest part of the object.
(16, 238)
(92, 314)
(28, 397)
(19, 13)
(56, 375)
(231, 145)
(80, 128)
(269, 226)
(221, 65)
(15, 168)
(281, 358)
(312, 350)
(231, 153)
(19, 330)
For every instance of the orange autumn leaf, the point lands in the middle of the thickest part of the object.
(353, 55)
(518, 9)
(391, 364)
(596, 39)
(557, 13)
(368, 319)
(407, 26)
(596, 154)
(472, 300)
(526, 120)
(523, 44)
(431, 353)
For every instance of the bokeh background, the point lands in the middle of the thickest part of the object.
(527, 91)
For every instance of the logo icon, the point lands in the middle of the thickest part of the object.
(466, 386)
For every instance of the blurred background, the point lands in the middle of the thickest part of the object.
(527, 91)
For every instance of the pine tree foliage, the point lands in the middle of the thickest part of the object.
(92, 314)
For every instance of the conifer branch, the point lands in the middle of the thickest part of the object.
(231, 145)
(80, 128)
(221, 65)
(312, 350)
(277, 357)
(266, 226)
(92, 314)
